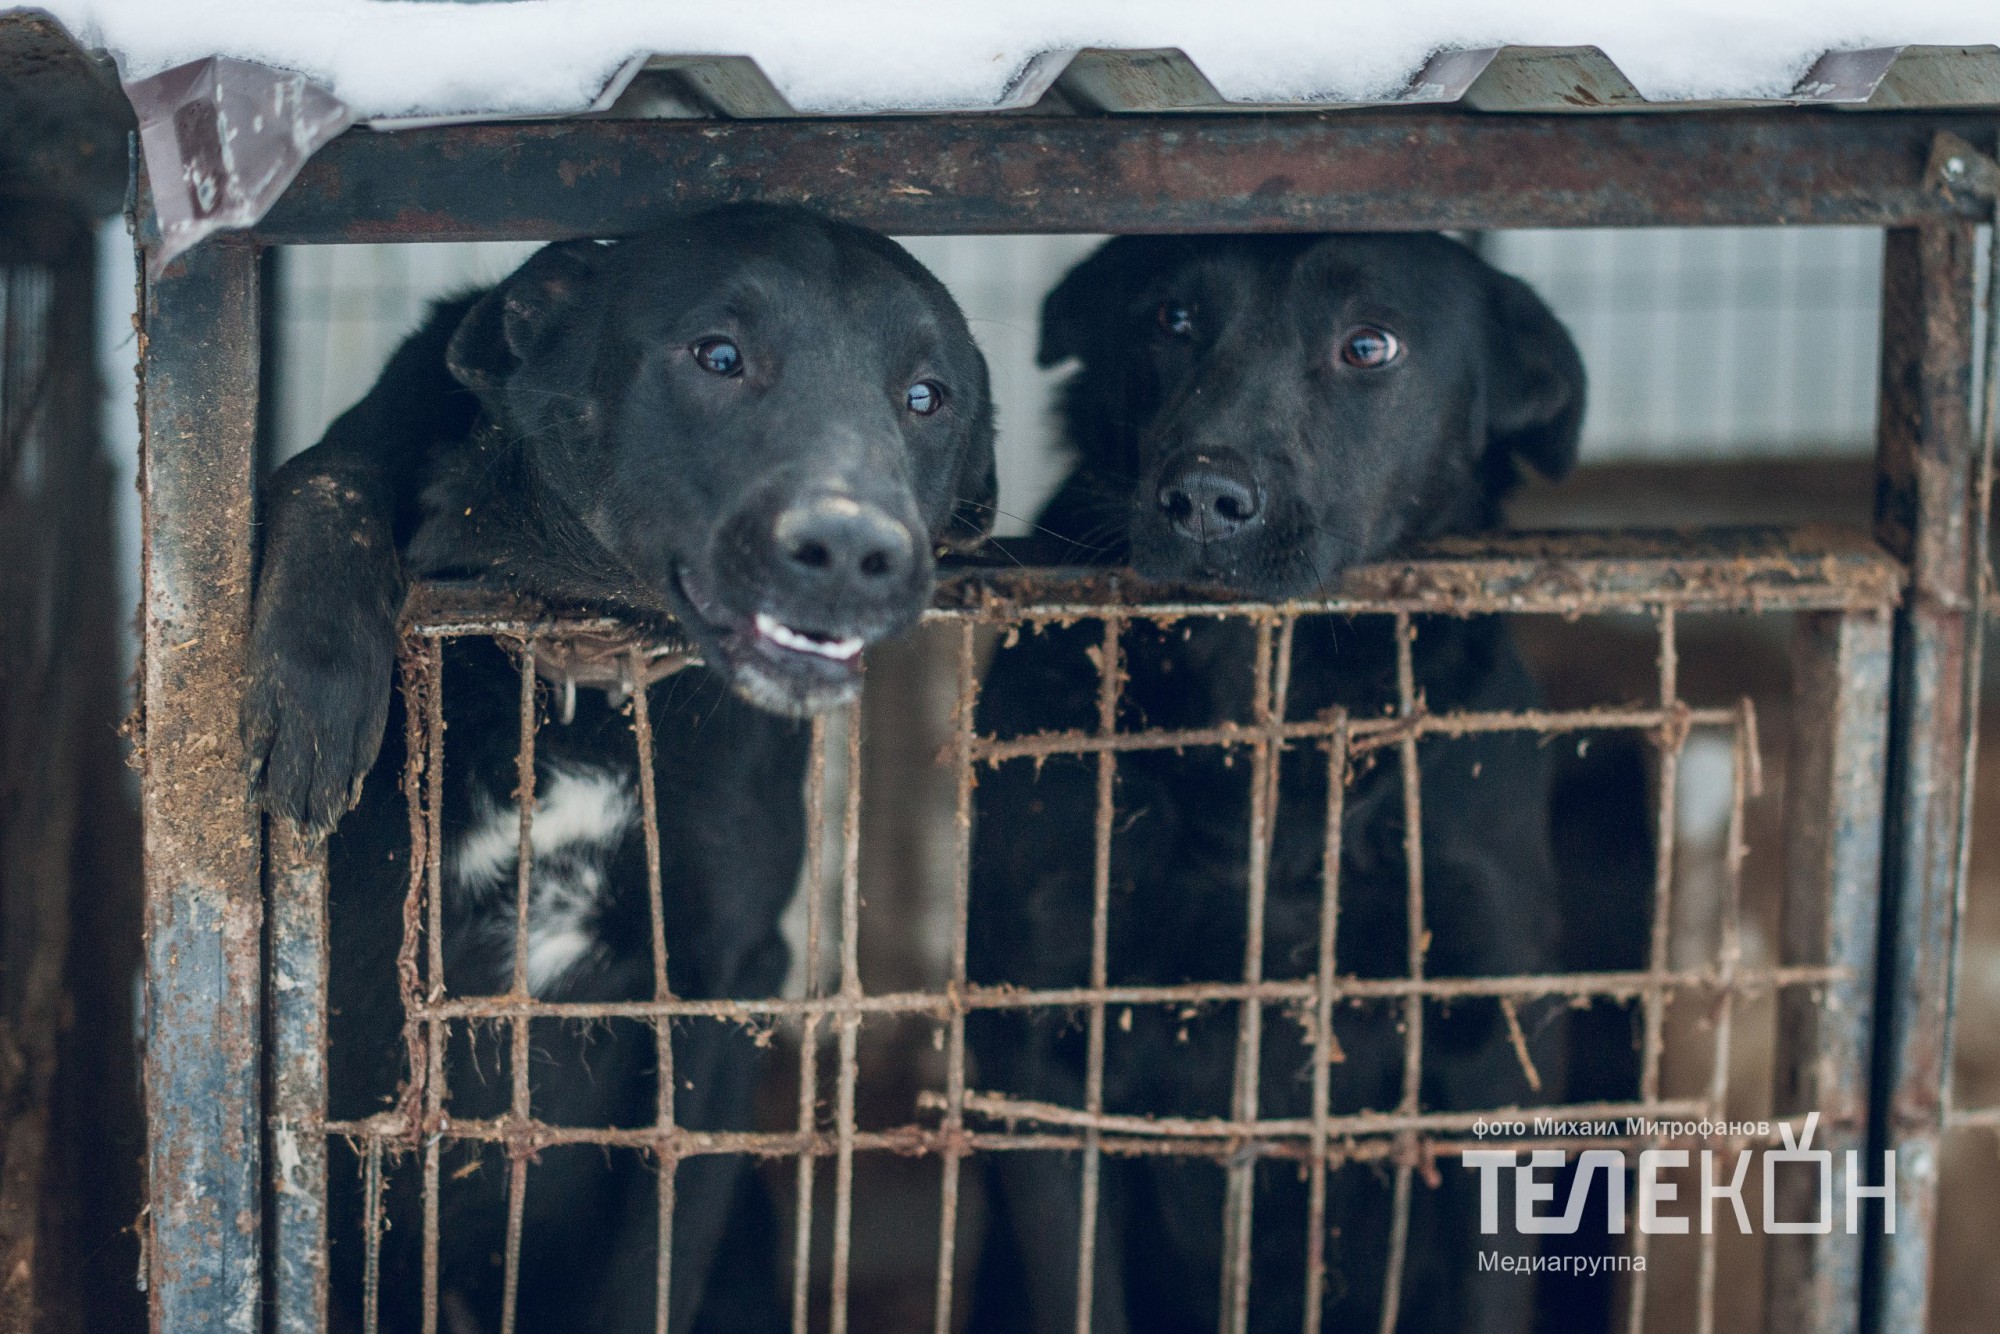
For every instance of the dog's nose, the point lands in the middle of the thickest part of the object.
(1209, 497)
(840, 540)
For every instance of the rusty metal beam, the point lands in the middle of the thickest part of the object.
(1808, 568)
(1925, 513)
(1396, 170)
(1831, 911)
(203, 901)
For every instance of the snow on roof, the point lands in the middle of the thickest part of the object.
(232, 96)
(391, 60)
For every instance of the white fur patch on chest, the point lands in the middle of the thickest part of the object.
(582, 816)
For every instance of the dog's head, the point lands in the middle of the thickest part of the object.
(1266, 411)
(771, 421)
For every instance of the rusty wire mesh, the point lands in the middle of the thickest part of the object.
(954, 1121)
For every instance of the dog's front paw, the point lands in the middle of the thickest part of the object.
(317, 702)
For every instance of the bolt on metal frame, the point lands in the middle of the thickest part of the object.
(1886, 688)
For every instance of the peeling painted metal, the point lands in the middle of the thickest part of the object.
(1831, 914)
(204, 906)
(1924, 512)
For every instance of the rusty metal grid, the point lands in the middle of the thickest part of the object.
(1814, 573)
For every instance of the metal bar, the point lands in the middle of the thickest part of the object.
(436, 1033)
(1325, 1049)
(1367, 733)
(297, 997)
(1982, 555)
(1926, 493)
(524, 840)
(1110, 683)
(517, 1206)
(809, 1032)
(1668, 739)
(1620, 985)
(908, 1140)
(417, 675)
(1408, 706)
(1745, 568)
(1745, 762)
(1271, 667)
(1830, 915)
(1757, 569)
(521, 1112)
(850, 1023)
(967, 720)
(663, 1044)
(371, 1239)
(204, 901)
(1355, 170)
(919, 1139)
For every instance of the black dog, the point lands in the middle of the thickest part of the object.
(755, 424)
(1261, 413)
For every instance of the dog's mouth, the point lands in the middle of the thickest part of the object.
(834, 648)
(776, 664)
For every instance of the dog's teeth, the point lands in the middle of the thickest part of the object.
(840, 650)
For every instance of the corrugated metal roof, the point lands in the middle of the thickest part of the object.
(1495, 79)
(234, 132)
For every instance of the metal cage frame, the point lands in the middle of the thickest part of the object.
(1886, 643)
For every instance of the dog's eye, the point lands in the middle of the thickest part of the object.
(1177, 318)
(718, 356)
(1369, 347)
(924, 398)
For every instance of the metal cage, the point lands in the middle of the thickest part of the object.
(1882, 651)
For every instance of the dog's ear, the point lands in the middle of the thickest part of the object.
(976, 489)
(1087, 306)
(510, 322)
(1535, 382)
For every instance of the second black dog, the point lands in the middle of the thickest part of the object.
(1261, 413)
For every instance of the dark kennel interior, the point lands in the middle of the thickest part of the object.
(70, 1134)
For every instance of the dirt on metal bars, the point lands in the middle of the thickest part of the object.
(1840, 579)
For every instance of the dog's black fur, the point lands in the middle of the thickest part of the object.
(575, 433)
(1221, 438)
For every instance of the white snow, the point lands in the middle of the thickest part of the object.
(392, 58)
